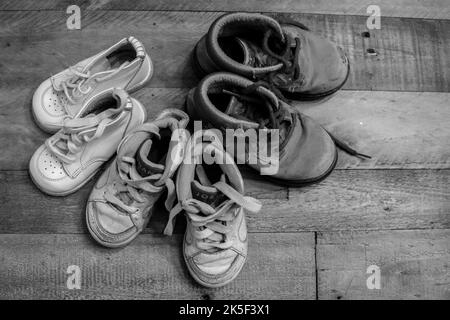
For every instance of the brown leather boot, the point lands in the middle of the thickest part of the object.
(285, 55)
(306, 152)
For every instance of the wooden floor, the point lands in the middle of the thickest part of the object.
(312, 243)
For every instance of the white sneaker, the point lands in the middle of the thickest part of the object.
(73, 155)
(211, 194)
(124, 65)
(122, 201)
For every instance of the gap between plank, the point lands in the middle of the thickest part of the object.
(316, 265)
(251, 232)
(215, 11)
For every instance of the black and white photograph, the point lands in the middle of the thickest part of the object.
(237, 150)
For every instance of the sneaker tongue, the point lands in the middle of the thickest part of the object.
(103, 65)
(144, 166)
(99, 65)
(207, 194)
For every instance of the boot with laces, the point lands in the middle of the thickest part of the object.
(306, 152)
(73, 155)
(122, 200)
(125, 65)
(212, 198)
(283, 54)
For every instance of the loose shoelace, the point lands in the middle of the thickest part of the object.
(211, 225)
(75, 133)
(74, 87)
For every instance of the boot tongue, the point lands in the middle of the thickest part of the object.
(256, 57)
(144, 166)
(207, 194)
(243, 107)
(237, 109)
(243, 110)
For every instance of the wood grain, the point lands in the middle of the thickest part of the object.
(411, 54)
(403, 130)
(431, 9)
(414, 264)
(152, 267)
(346, 200)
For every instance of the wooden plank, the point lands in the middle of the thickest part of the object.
(35, 267)
(431, 9)
(412, 54)
(371, 200)
(398, 129)
(404, 130)
(346, 200)
(413, 264)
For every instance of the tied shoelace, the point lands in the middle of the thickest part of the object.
(75, 133)
(211, 225)
(289, 65)
(133, 188)
(76, 85)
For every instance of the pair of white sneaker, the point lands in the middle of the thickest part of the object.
(88, 107)
(210, 193)
(94, 117)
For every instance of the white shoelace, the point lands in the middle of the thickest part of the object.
(132, 186)
(75, 133)
(211, 224)
(74, 87)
